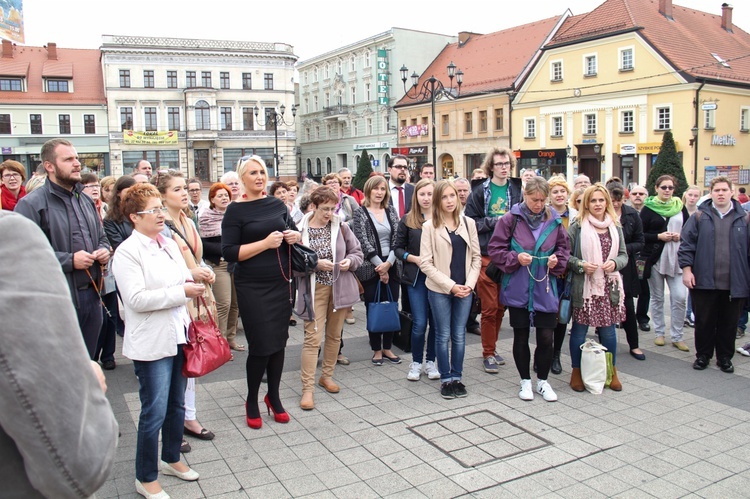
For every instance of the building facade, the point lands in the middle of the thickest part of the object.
(471, 119)
(612, 81)
(346, 99)
(50, 92)
(198, 105)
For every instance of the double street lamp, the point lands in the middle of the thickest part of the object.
(430, 90)
(277, 119)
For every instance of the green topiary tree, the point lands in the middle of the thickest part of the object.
(667, 163)
(364, 169)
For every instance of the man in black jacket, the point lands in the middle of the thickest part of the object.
(714, 256)
(69, 220)
(489, 200)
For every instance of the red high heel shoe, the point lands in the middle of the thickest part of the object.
(254, 423)
(281, 417)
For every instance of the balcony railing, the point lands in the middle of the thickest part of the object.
(336, 111)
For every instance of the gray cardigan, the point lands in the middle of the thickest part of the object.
(576, 289)
(58, 434)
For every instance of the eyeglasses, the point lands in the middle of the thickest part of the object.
(232, 183)
(194, 190)
(666, 187)
(8, 176)
(161, 209)
(502, 164)
(637, 193)
(92, 186)
(578, 201)
(333, 182)
(399, 167)
(327, 210)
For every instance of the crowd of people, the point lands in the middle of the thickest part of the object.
(142, 253)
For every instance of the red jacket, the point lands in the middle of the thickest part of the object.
(358, 195)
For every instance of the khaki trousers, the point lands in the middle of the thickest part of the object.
(226, 301)
(325, 319)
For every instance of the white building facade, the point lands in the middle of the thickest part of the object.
(191, 104)
(346, 99)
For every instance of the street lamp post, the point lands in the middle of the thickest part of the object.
(430, 89)
(277, 119)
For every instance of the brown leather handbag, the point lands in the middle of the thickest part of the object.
(206, 349)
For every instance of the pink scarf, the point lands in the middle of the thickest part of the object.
(591, 251)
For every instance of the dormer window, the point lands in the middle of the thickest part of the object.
(11, 84)
(58, 86)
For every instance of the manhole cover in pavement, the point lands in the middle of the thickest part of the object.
(478, 438)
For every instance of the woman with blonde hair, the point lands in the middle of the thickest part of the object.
(178, 226)
(597, 294)
(375, 224)
(107, 186)
(574, 203)
(451, 259)
(408, 241)
(257, 233)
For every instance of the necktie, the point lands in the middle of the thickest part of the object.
(401, 205)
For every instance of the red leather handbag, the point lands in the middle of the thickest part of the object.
(206, 349)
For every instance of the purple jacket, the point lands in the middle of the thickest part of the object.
(517, 281)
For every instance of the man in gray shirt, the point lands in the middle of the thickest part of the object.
(71, 223)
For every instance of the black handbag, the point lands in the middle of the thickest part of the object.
(492, 271)
(304, 259)
(402, 338)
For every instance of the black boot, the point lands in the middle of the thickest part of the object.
(556, 366)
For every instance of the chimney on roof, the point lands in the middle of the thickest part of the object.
(52, 51)
(665, 9)
(7, 49)
(726, 17)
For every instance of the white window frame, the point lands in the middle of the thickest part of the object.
(744, 119)
(156, 114)
(709, 119)
(552, 65)
(590, 119)
(368, 58)
(327, 71)
(529, 128)
(586, 58)
(315, 103)
(327, 99)
(352, 63)
(552, 122)
(305, 76)
(179, 117)
(622, 121)
(355, 128)
(353, 94)
(620, 58)
(657, 120)
(369, 127)
(368, 92)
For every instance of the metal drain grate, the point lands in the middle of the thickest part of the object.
(478, 438)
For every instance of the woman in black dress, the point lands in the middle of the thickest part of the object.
(257, 232)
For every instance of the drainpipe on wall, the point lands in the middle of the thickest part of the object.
(511, 95)
(696, 105)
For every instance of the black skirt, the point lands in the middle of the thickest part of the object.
(519, 318)
(265, 310)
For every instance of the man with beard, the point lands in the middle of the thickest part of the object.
(70, 221)
(401, 191)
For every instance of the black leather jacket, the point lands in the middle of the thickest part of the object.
(407, 241)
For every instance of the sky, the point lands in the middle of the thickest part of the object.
(311, 27)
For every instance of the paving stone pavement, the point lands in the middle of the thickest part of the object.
(671, 432)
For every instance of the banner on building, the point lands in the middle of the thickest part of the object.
(11, 21)
(149, 138)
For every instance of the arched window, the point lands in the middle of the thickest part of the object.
(309, 166)
(328, 165)
(202, 115)
(317, 167)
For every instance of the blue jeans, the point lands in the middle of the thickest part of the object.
(162, 396)
(607, 335)
(421, 316)
(742, 323)
(450, 314)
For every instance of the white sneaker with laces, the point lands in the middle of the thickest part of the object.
(744, 350)
(545, 390)
(415, 371)
(526, 393)
(431, 370)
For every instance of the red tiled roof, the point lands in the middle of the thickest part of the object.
(687, 41)
(490, 62)
(82, 65)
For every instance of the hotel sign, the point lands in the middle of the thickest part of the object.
(383, 77)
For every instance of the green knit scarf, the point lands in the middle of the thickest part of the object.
(664, 208)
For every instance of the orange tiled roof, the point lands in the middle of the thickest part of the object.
(687, 41)
(82, 65)
(490, 62)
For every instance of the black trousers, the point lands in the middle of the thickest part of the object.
(381, 341)
(641, 313)
(630, 325)
(716, 317)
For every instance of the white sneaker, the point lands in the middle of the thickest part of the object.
(744, 350)
(431, 370)
(415, 371)
(526, 393)
(545, 390)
